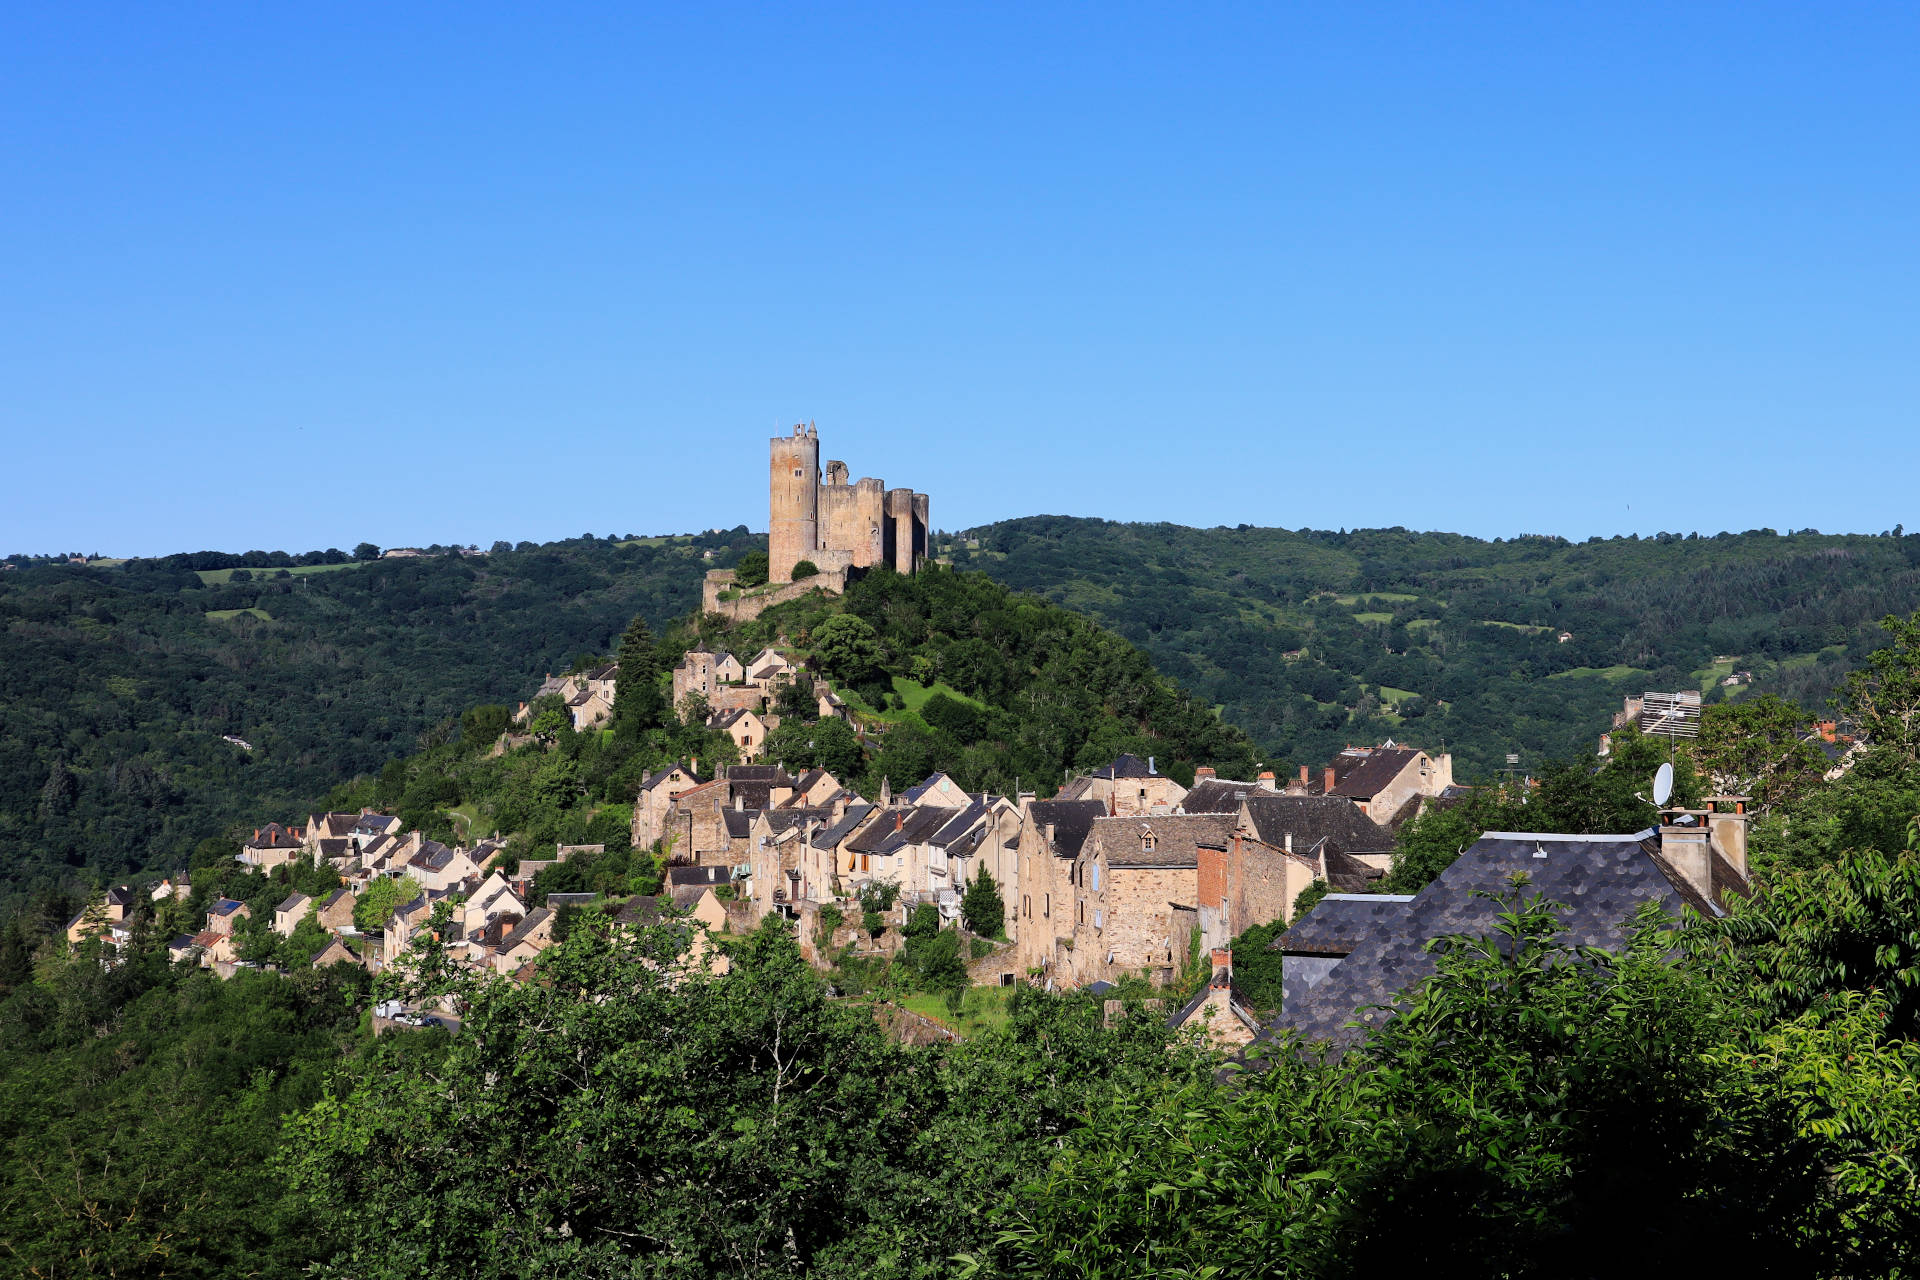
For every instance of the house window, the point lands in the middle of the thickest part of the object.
(1148, 841)
(1026, 906)
(1048, 901)
(1099, 919)
(1080, 913)
(1096, 877)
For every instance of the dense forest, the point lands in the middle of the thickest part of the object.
(126, 684)
(1310, 640)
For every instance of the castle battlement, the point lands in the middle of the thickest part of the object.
(837, 525)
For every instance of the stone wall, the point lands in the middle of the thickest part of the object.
(748, 605)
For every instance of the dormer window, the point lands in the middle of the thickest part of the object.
(1148, 841)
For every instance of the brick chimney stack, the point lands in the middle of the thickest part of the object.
(1266, 780)
(1222, 966)
(1203, 773)
(1328, 776)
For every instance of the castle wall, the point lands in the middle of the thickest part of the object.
(851, 516)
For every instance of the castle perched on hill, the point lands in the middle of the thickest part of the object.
(837, 527)
(835, 524)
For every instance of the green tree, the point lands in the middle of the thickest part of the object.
(848, 648)
(376, 903)
(752, 570)
(985, 913)
(481, 726)
(638, 703)
(805, 569)
(1757, 747)
(1883, 698)
(366, 551)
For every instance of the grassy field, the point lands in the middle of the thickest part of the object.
(1604, 673)
(1391, 597)
(215, 577)
(915, 695)
(1394, 697)
(1373, 617)
(223, 615)
(986, 1009)
(1516, 626)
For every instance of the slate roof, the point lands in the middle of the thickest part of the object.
(1362, 776)
(908, 826)
(1346, 873)
(120, 896)
(1310, 819)
(334, 846)
(785, 820)
(739, 822)
(332, 898)
(525, 927)
(1177, 838)
(433, 856)
(912, 794)
(273, 836)
(184, 942)
(727, 719)
(226, 907)
(1071, 821)
(964, 823)
(1126, 766)
(699, 875)
(1339, 923)
(656, 778)
(293, 903)
(1218, 795)
(639, 911)
(375, 824)
(771, 774)
(1603, 880)
(832, 836)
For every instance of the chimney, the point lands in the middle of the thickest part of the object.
(886, 792)
(1727, 832)
(1288, 841)
(739, 802)
(1222, 966)
(1150, 768)
(693, 766)
(1204, 772)
(1328, 778)
(899, 819)
(1266, 780)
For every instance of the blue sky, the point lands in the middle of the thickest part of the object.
(298, 276)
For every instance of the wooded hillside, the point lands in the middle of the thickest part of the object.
(1310, 640)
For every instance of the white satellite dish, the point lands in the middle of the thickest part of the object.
(1662, 785)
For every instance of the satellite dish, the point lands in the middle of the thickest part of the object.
(1662, 785)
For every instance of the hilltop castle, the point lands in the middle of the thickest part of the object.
(840, 528)
(835, 524)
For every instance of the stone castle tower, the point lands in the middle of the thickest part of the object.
(837, 525)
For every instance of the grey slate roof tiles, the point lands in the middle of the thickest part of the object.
(1311, 818)
(1602, 880)
(1071, 821)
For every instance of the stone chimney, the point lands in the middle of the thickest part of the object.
(1204, 773)
(1222, 966)
(886, 793)
(1287, 842)
(739, 802)
(1327, 777)
(1727, 832)
(1150, 768)
(1266, 780)
(1687, 847)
